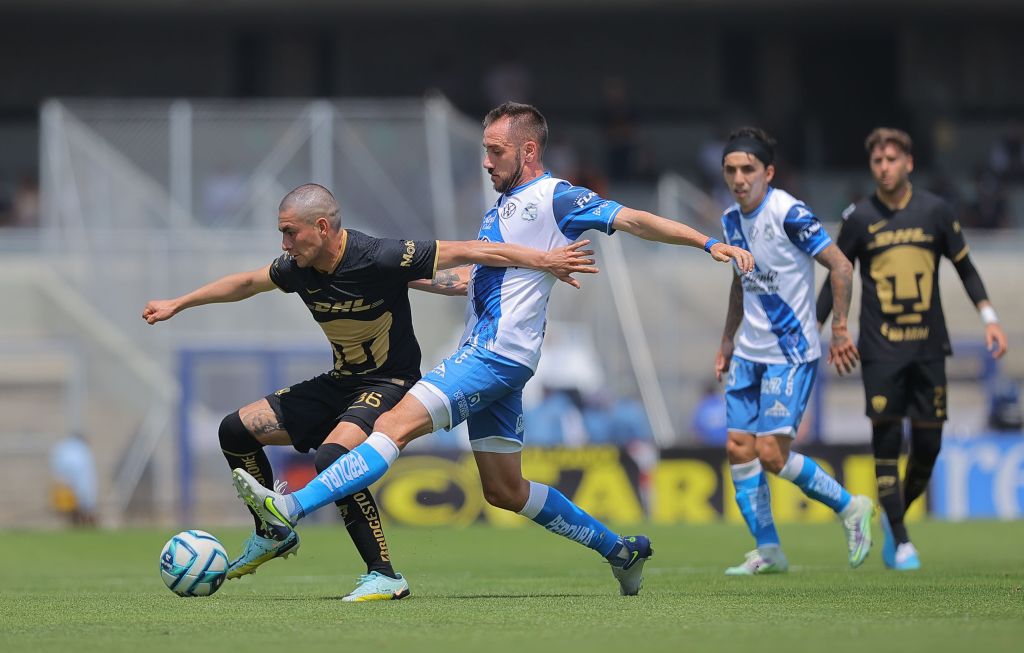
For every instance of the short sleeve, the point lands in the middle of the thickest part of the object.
(408, 259)
(954, 245)
(578, 209)
(805, 230)
(283, 272)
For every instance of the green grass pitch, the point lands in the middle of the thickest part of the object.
(523, 590)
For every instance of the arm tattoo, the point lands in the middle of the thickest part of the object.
(445, 279)
(734, 316)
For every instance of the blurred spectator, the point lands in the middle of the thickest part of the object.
(22, 210)
(557, 421)
(618, 122)
(990, 208)
(74, 492)
(944, 186)
(561, 159)
(1007, 156)
(709, 416)
(1004, 407)
(587, 173)
(507, 80)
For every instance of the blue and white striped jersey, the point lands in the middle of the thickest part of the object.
(507, 307)
(779, 323)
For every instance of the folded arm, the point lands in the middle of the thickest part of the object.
(232, 288)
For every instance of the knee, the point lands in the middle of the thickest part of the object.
(887, 438)
(507, 496)
(234, 436)
(772, 456)
(739, 451)
(327, 454)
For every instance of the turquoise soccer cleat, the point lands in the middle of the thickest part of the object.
(629, 571)
(259, 550)
(906, 558)
(857, 523)
(375, 586)
(889, 544)
(761, 561)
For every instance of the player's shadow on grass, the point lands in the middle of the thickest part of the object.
(465, 597)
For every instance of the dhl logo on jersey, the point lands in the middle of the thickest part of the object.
(348, 306)
(900, 237)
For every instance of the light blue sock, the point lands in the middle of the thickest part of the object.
(755, 501)
(814, 482)
(549, 508)
(356, 470)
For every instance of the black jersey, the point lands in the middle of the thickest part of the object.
(363, 305)
(898, 251)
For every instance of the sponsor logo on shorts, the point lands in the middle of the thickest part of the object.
(474, 399)
(462, 403)
(345, 469)
(580, 534)
(439, 370)
(520, 425)
(878, 403)
(771, 386)
(777, 410)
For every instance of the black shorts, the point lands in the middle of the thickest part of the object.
(915, 389)
(310, 410)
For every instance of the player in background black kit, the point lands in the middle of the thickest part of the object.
(898, 236)
(356, 288)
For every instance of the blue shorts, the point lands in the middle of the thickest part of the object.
(483, 388)
(767, 399)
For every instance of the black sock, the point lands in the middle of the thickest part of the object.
(241, 449)
(359, 512)
(886, 440)
(925, 441)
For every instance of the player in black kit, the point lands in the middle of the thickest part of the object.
(356, 288)
(898, 236)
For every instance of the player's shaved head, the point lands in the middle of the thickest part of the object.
(311, 201)
(526, 123)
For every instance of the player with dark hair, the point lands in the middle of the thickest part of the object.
(772, 362)
(483, 381)
(356, 288)
(897, 235)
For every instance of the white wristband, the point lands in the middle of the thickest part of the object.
(988, 315)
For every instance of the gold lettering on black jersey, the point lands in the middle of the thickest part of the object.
(900, 237)
(360, 346)
(348, 306)
(410, 249)
(903, 282)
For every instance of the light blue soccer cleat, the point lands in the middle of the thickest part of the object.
(258, 550)
(899, 558)
(375, 586)
(889, 544)
(857, 523)
(630, 570)
(761, 561)
(268, 504)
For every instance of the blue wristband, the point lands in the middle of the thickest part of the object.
(711, 243)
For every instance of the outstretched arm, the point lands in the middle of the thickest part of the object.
(232, 288)
(841, 350)
(446, 282)
(995, 338)
(733, 318)
(562, 262)
(653, 227)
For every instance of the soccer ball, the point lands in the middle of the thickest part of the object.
(193, 563)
